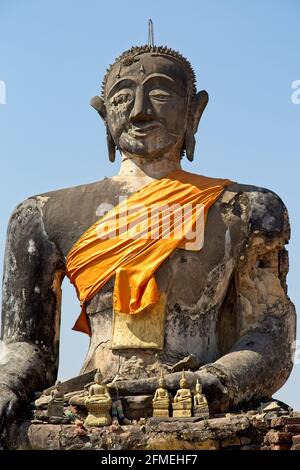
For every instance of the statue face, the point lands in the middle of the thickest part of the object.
(146, 105)
(183, 383)
(161, 383)
(98, 378)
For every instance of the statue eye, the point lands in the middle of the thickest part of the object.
(159, 95)
(120, 98)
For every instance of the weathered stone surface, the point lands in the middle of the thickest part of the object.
(136, 407)
(74, 384)
(271, 406)
(280, 447)
(293, 428)
(231, 441)
(296, 439)
(284, 420)
(250, 447)
(188, 363)
(235, 431)
(277, 437)
(245, 440)
(42, 402)
(44, 436)
(166, 442)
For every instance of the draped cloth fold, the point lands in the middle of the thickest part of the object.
(132, 240)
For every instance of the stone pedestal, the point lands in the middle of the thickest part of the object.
(243, 431)
(201, 411)
(161, 410)
(182, 410)
(98, 415)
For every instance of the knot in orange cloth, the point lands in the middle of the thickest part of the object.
(132, 240)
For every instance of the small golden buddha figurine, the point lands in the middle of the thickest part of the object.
(182, 405)
(98, 404)
(161, 400)
(79, 398)
(200, 402)
(56, 403)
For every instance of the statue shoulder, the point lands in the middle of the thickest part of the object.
(64, 214)
(263, 209)
(69, 200)
(104, 188)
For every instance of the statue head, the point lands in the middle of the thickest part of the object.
(198, 387)
(150, 105)
(183, 382)
(161, 380)
(58, 386)
(98, 377)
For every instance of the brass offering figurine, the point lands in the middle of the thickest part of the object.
(56, 403)
(161, 400)
(200, 402)
(98, 404)
(182, 405)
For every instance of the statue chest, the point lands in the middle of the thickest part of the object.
(194, 285)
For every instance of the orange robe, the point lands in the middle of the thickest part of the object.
(132, 240)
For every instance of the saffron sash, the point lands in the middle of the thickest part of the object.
(132, 241)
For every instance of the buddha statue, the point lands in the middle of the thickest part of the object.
(98, 404)
(200, 402)
(78, 399)
(182, 404)
(56, 403)
(224, 302)
(161, 401)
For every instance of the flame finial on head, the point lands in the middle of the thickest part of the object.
(150, 33)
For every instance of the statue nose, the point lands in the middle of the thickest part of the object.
(142, 109)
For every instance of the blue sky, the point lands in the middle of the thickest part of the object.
(53, 55)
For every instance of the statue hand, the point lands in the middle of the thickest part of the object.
(9, 405)
(215, 392)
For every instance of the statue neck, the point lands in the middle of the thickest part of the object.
(141, 167)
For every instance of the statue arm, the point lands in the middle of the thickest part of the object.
(33, 271)
(261, 358)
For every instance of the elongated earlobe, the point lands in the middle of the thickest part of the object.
(189, 145)
(111, 146)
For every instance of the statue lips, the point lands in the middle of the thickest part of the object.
(143, 129)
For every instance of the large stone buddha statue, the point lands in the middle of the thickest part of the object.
(223, 307)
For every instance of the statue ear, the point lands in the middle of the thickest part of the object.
(98, 104)
(197, 106)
